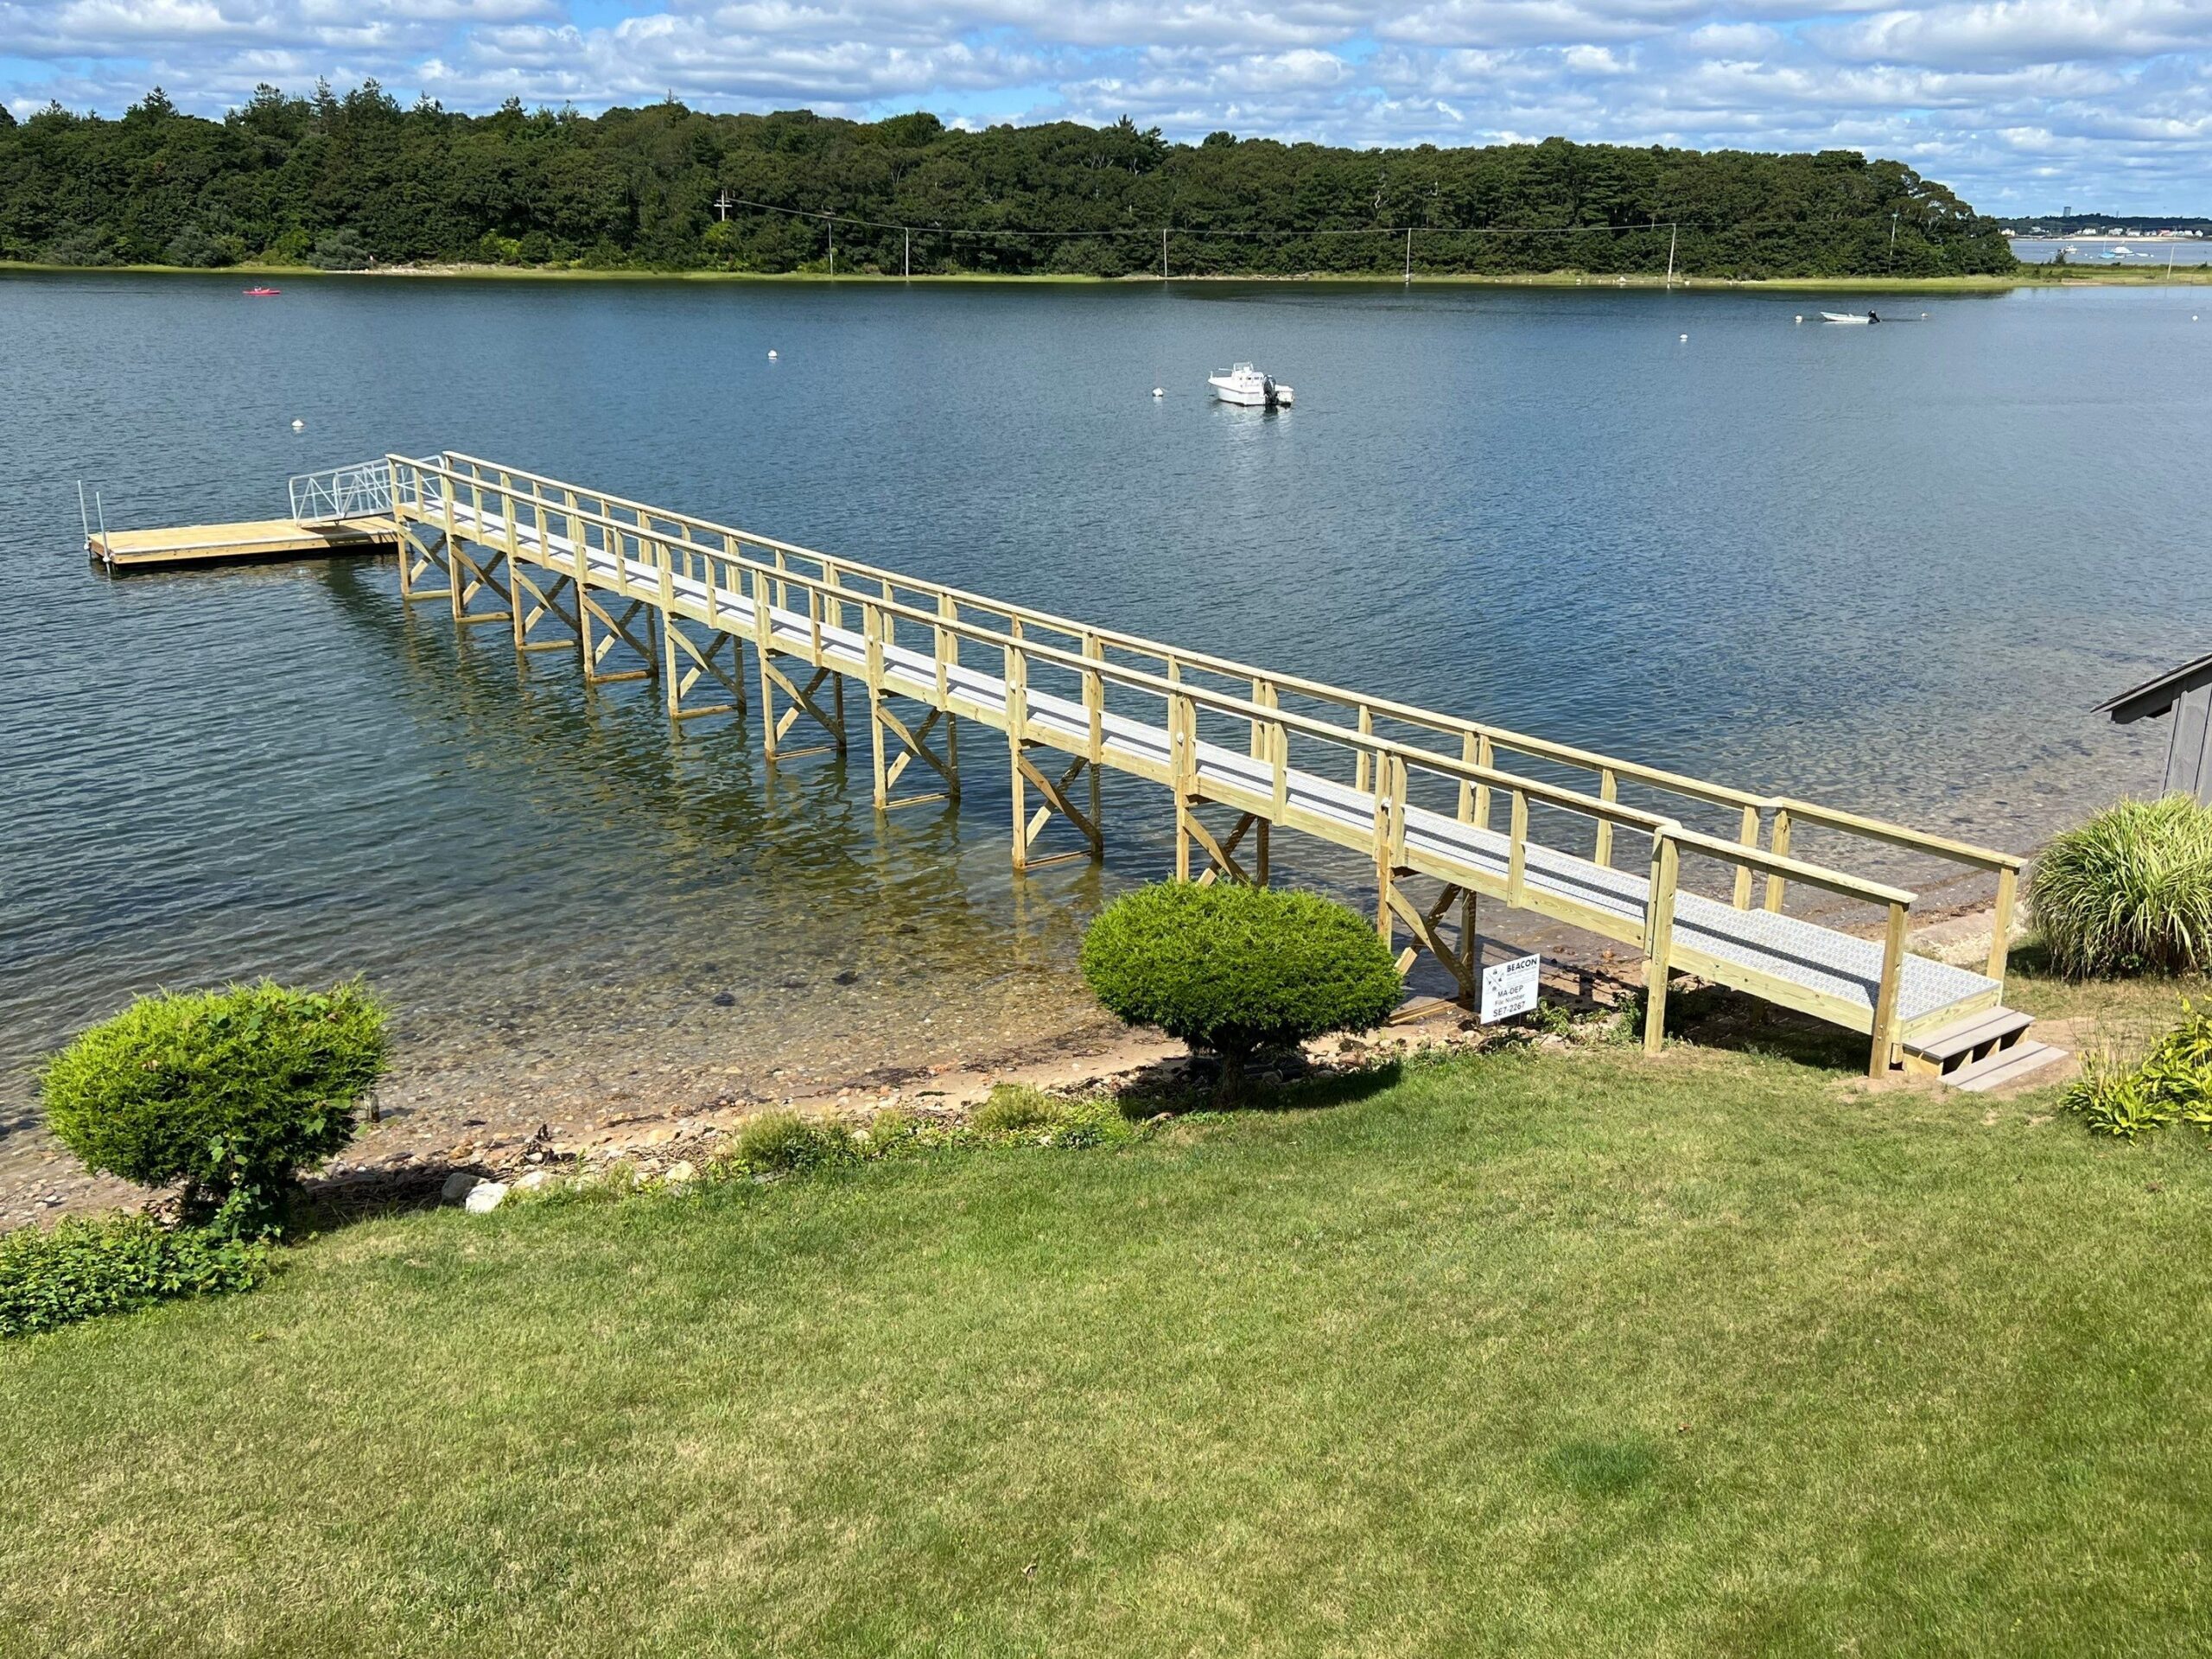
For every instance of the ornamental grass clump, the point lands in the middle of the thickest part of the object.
(228, 1094)
(783, 1143)
(2129, 892)
(1234, 969)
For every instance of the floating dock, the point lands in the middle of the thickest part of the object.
(1448, 809)
(263, 538)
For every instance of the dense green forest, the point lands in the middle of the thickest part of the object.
(355, 181)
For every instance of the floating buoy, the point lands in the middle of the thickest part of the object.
(772, 354)
(299, 426)
(1799, 318)
(1160, 391)
(1685, 336)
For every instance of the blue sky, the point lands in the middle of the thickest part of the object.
(2022, 105)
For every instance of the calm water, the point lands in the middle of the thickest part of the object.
(1890, 566)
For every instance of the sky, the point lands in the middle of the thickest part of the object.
(2021, 105)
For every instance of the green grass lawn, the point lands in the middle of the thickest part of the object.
(1572, 1354)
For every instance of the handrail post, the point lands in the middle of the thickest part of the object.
(1398, 790)
(946, 647)
(1364, 773)
(1094, 701)
(1516, 853)
(2001, 929)
(1780, 845)
(671, 681)
(1885, 1001)
(1609, 785)
(1486, 758)
(1182, 762)
(764, 594)
(1659, 937)
(1390, 774)
(1749, 836)
(872, 632)
(1279, 766)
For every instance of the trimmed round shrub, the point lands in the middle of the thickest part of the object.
(1236, 968)
(2129, 892)
(229, 1093)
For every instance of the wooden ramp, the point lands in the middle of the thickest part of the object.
(1435, 800)
(263, 538)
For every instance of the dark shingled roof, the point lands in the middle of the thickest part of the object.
(2153, 697)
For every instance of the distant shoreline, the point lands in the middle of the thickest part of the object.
(2028, 276)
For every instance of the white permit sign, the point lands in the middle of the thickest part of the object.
(1509, 989)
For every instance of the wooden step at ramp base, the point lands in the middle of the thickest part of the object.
(1981, 1051)
(2007, 1066)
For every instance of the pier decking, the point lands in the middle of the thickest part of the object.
(1433, 799)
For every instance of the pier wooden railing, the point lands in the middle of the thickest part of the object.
(849, 618)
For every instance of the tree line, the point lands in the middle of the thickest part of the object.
(352, 181)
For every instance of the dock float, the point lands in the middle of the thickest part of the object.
(263, 538)
(1445, 807)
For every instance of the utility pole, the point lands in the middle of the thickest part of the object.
(1409, 256)
(1673, 235)
(906, 263)
(833, 247)
(722, 204)
(1893, 238)
(1163, 253)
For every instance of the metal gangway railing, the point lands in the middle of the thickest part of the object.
(363, 490)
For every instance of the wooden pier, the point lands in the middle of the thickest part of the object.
(263, 538)
(1435, 800)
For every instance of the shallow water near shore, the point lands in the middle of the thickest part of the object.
(1891, 569)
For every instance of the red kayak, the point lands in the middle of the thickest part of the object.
(264, 293)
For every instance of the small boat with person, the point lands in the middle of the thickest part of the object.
(1246, 386)
(263, 293)
(1849, 317)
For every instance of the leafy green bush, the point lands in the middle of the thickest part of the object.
(86, 1268)
(2113, 1099)
(778, 1143)
(2173, 1082)
(2129, 892)
(230, 1093)
(1236, 968)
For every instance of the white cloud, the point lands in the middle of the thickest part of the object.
(2017, 103)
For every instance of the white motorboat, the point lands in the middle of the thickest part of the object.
(1849, 317)
(1246, 386)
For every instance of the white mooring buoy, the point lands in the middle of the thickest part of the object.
(1685, 336)
(299, 426)
(772, 353)
(1160, 391)
(1799, 317)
